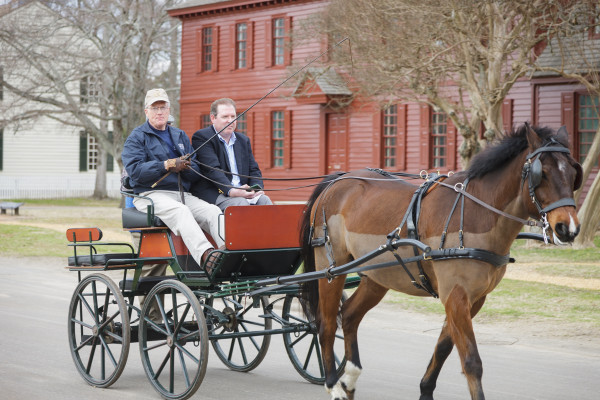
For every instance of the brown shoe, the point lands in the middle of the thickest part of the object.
(210, 258)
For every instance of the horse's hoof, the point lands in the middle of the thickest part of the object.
(426, 397)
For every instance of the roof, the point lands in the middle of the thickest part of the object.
(577, 53)
(327, 80)
(196, 3)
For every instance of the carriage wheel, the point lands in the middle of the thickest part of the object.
(174, 354)
(99, 334)
(236, 352)
(303, 346)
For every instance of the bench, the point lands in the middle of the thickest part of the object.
(10, 205)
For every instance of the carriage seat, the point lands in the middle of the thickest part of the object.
(132, 218)
(96, 259)
(86, 241)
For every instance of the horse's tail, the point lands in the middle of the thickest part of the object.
(310, 289)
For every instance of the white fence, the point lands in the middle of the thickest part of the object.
(54, 187)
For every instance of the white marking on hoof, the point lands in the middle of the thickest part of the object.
(337, 392)
(351, 374)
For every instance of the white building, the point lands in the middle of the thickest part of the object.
(44, 157)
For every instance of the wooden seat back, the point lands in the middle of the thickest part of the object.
(84, 234)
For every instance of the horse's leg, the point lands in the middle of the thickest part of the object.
(330, 294)
(367, 295)
(443, 348)
(460, 327)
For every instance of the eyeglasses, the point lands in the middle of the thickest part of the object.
(157, 109)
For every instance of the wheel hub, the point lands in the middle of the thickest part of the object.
(232, 319)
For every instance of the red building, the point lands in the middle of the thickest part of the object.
(239, 49)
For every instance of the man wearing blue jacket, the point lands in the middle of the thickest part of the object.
(152, 150)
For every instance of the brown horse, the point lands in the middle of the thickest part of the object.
(529, 173)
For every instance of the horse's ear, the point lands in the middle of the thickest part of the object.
(562, 135)
(532, 137)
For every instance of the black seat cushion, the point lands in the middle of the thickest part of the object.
(132, 218)
(97, 259)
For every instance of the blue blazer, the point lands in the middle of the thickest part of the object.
(143, 157)
(213, 154)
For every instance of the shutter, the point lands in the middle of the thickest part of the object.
(268, 44)
(378, 139)
(451, 147)
(250, 128)
(83, 151)
(233, 47)
(401, 143)
(287, 139)
(109, 158)
(250, 45)
(424, 136)
(199, 50)
(215, 62)
(268, 148)
(507, 114)
(567, 118)
(287, 52)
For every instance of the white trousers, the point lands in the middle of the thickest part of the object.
(186, 220)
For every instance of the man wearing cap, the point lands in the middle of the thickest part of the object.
(152, 150)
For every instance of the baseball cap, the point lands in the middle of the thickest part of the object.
(154, 95)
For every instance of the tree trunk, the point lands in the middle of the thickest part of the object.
(589, 162)
(100, 191)
(589, 217)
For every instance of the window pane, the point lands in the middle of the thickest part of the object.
(278, 41)
(277, 138)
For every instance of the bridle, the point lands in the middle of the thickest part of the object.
(532, 172)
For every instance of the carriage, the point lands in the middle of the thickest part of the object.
(199, 307)
(367, 229)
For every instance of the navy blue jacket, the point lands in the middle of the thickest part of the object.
(144, 154)
(214, 155)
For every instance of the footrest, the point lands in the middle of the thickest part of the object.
(97, 259)
(145, 284)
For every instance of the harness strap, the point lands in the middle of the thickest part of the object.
(459, 188)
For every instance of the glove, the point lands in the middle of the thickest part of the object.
(176, 164)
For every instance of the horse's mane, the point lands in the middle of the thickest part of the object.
(498, 154)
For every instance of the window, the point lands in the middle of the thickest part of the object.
(242, 124)
(587, 124)
(278, 41)
(439, 140)
(88, 153)
(207, 49)
(205, 121)
(241, 45)
(277, 138)
(390, 136)
(88, 90)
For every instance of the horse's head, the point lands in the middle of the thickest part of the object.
(550, 176)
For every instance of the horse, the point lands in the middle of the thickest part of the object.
(529, 173)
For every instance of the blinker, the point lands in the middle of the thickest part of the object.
(535, 173)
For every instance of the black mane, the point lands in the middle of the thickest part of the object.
(497, 155)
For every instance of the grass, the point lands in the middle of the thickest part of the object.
(17, 240)
(524, 252)
(514, 299)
